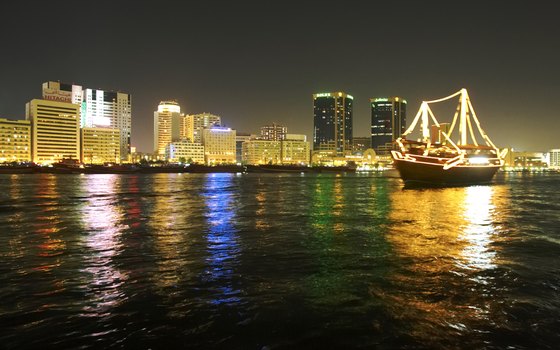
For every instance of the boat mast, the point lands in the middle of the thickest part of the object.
(463, 119)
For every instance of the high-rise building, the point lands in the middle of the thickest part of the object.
(15, 140)
(185, 151)
(295, 149)
(332, 120)
(109, 109)
(98, 108)
(388, 122)
(219, 145)
(194, 124)
(55, 130)
(100, 145)
(273, 132)
(167, 125)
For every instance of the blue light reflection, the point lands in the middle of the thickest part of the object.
(222, 245)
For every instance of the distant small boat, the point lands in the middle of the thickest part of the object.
(436, 159)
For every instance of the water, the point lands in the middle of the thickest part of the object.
(259, 261)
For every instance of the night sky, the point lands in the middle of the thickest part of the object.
(258, 63)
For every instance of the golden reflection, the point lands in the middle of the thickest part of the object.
(479, 229)
(169, 221)
(443, 239)
(260, 197)
(102, 220)
(47, 224)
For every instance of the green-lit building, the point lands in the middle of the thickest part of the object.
(332, 122)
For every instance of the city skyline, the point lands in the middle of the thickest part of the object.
(246, 64)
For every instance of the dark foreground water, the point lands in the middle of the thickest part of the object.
(277, 261)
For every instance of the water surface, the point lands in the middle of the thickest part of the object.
(254, 261)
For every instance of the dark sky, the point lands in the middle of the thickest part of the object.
(258, 63)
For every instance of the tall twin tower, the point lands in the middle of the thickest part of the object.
(333, 125)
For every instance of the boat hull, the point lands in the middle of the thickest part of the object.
(413, 172)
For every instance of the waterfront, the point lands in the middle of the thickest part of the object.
(277, 261)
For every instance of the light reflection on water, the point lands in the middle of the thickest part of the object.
(102, 222)
(277, 261)
(479, 209)
(223, 248)
(447, 237)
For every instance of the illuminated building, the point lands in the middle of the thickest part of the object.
(100, 145)
(61, 92)
(185, 151)
(554, 158)
(257, 152)
(109, 109)
(167, 122)
(15, 140)
(239, 139)
(219, 145)
(525, 160)
(195, 123)
(332, 122)
(98, 108)
(360, 144)
(295, 149)
(55, 130)
(273, 132)
(388, 122)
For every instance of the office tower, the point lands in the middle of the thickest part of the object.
(167, 123)
(273, 132)
(98, 108)
(332, 120)
(388, 122)
(100, 145)
(15, 140)
(256, 152)
(55, 130)
(109, 109)
(294, 149)
(185, 151)
(219, 145)
(195, 123)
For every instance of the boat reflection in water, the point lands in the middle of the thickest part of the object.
(445, 240)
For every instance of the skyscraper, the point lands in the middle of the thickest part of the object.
(167, 125)
(388, 122)
(332, 120)
(108, 109)
(98, 108)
